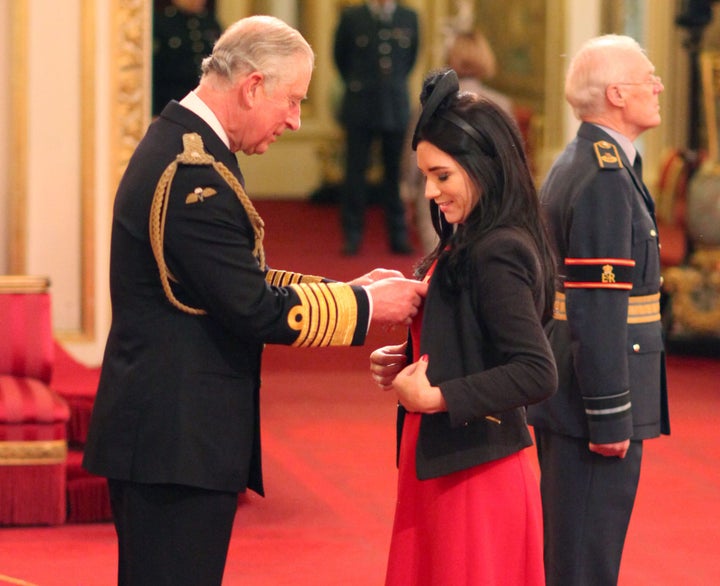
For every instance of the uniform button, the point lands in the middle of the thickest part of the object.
(653, 233)
(662, 280)
(384, 48)
(636, 347)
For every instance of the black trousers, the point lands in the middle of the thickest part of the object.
(587, 502)
(170, 534)
(354, 196)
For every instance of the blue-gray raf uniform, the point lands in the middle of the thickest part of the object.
(375, 56)
(607, 341)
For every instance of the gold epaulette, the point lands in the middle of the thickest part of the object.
(194, 154)
(326, 316)
(607, 155)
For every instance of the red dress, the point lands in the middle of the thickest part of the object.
(480, 527)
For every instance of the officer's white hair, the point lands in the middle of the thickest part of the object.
(600, 62)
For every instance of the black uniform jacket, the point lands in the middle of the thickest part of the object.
(488, 353)
(374, 60)
(610, 358)
(178, 395)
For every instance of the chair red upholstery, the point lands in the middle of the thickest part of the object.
(33, 418)
(77, 384)
(88, 495)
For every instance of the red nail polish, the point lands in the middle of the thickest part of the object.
(424, 358)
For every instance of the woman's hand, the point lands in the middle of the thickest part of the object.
(386, 362)
(414, 390)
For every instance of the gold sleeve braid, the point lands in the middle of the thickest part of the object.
(194, 154)
(284, 278)
(327, 315)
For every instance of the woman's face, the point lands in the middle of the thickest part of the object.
(446, 183)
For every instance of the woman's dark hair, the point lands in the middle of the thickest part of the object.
(488, 145)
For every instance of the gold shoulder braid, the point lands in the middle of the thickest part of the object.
(194, 154)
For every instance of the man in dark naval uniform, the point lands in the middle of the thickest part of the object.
(606, 333)
(176, 423)
(376, 46)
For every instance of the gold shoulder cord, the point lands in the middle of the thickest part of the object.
(194, 154)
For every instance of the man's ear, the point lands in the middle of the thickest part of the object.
(248, 88)
(615, 95)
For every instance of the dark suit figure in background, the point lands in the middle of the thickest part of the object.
(184, 33)
(176, 423)
(376, 46)
(606, 333)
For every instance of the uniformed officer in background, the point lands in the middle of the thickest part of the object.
(376, 46)
(606, 333)
(184, 33)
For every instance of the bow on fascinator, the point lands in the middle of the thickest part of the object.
(446, 84)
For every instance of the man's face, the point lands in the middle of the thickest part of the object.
(277, 107)
(641, 90)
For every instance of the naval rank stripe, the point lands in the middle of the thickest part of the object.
(281, 278)
(326, 315)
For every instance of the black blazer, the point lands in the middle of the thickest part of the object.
(612, 373)
(488, 353)
(178, 395)
(375, 60)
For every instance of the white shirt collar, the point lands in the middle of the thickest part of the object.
(193, 103)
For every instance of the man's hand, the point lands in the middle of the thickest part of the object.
(386, 362)
(414, 390)
(616, 450)
(376, 275)
(395, 300)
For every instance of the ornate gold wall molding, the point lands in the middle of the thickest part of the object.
(130, 79)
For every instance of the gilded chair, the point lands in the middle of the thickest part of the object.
(33, 418)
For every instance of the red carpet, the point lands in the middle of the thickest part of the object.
(328, 439)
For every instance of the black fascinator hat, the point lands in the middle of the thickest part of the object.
(436, 88)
